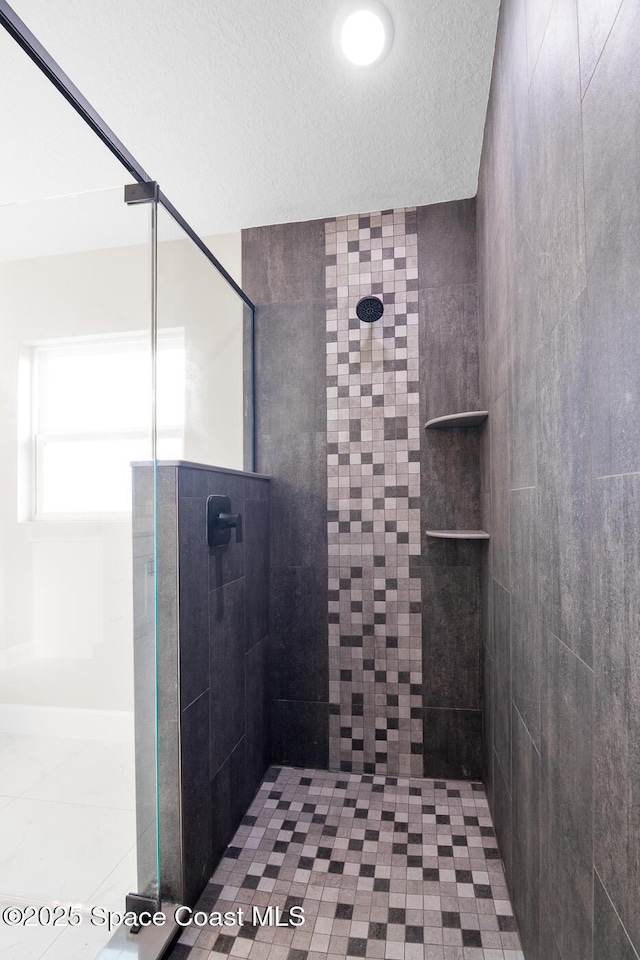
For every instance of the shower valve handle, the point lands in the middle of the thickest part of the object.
(226, 520)
(220, 521)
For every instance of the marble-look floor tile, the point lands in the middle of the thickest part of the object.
(24, 943)
(26, 760)
(60, 851)
(100, 775)
(122, 879)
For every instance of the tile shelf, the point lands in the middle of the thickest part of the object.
(458, 534)
(472, 418)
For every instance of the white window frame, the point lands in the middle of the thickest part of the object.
(38, 353)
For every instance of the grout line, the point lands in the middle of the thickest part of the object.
(616, 476)
(567, 647)
(619, 918)
(601, 54)
(542, 39)
(497, 759)
(524, 724)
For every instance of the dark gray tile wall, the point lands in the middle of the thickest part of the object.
(283, 270)
(559, 283)
(616, 560)
(213, 624)
(284, 274)
(450, 490)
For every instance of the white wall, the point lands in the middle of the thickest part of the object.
(65, 588)
(192, 295)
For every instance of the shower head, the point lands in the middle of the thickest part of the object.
(369, 309)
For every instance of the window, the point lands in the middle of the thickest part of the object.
(91, 417)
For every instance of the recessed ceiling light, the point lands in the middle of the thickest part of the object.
(363, 32)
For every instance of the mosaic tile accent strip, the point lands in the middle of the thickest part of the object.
(373, 453)
(386, 868)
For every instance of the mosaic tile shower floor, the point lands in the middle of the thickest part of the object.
(384, 867)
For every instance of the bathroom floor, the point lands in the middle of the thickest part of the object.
(383, 867)
(67, 834)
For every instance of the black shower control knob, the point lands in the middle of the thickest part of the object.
(220, 521)
(227, 520)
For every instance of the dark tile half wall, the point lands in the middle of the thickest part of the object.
(283, 273)
(213, 623)
(419, 700)
(559, 286)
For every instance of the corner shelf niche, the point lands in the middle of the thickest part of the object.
(472, 418)
(458, 534)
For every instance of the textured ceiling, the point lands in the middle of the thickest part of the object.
(242, 111)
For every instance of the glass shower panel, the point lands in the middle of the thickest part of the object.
(78, 739)
(76, 412)
(204, 356)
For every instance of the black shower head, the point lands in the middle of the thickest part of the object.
(369, 309)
